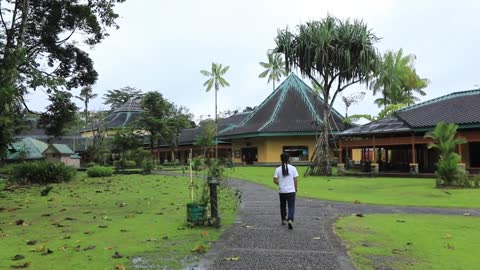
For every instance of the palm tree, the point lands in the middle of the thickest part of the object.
(446, 141)
(86, 94)
(275, 68)
(397, 80)
(215, 79)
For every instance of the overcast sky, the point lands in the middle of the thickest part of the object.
(162, 45)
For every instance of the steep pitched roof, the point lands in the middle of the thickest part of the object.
(123, 116)
(292, 108)
(460, 108)
(26, 148)
(61, 149)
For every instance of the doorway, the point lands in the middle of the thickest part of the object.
(249, 155)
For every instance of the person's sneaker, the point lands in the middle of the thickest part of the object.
(284, 222)
(290, 225)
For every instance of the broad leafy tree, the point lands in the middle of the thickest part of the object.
(215, 79)
(206, 138)
(125, 139)
(117, 97)
(154, 118)
(335, 54)
(397, 80)
(86, 94)
(60, 114)
(41, 48)
(274, 68)
(178, 119)
(446, 141)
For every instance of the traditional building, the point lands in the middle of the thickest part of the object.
(397, 143)
(288, 120)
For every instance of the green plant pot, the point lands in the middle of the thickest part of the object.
(195, 213)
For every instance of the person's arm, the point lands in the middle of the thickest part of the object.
(275, 180)
(295, 182)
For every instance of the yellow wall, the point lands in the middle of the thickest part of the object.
(270, 148)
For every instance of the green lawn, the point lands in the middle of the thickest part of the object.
(380, 190)
(86, 221)
(411, 241)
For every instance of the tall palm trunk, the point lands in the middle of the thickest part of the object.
(273, 85)
(216, 121)
(86, 111)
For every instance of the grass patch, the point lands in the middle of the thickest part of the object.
(379, 190)
(86, 221)
(411, 241)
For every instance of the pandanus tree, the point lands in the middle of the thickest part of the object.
(215, 79)
(334, 54)
(397, 80)
(274, 68)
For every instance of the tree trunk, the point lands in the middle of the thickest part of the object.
(216, 122)
(325, 161)
(273, 85)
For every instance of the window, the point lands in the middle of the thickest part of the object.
(474, 154)
(297, 153)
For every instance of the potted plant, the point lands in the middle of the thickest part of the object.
(197, 208)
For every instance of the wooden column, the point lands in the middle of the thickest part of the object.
(340, 157)
(373, 154)
(460, 153)
(414, 154)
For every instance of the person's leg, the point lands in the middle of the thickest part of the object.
(291, 209)
(283, 206)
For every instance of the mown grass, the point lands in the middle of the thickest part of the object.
(379, 190)
(411, 241)
(86, 221)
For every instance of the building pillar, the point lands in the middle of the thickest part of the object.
(413, 165)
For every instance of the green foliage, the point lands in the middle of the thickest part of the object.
(446, 141)
(138, 155)
(275, 68)
(125, 139)
(86, 94)
(334, 54)
(41, 172)
(99, 171)
(198, 163)
(396, 79)
(215, 77)
(91, 164)
(206, 137)
(384, 113)
(60, 114)
(154, 118)
(215, 169)
(117, 97)
(7, 169)
(37, 52)
(147, 166)
(124, 164)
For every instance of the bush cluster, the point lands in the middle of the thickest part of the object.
(99, 171)
(41, 172)
(124, 164)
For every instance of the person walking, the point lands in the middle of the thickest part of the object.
(286, 178)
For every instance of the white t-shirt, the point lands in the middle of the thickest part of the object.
(286, 184)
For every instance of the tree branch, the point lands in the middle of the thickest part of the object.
(67, 38)
(3, 21)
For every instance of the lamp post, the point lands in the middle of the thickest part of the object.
(214, 219)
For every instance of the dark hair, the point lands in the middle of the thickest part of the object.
(284, 157)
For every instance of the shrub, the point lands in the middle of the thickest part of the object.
(138, 155)
(198, 163)
(99, 171)
(41, 172)
(124, 164)
(147, 166)
(7, 169)
(91, 164)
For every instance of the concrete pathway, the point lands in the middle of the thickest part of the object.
(259, 241)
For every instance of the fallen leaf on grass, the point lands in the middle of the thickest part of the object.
(120, 267)
(65, 237)
(69, 218)
(46, 215)
(31, 242)
(117, 255)
(18, 257)
(89, 248)
(103, 226)
(123, 230)
(447, 236)
(401, 221)
(200, 249)
(47, 252)
(232, 258)
(359, 215)
(108, 248)
(467, 214)
(20, 266)
(62, 248)
(181, 228)
(356, 202)
(20, 222)
(205, 233)
(38, 249)
(449, 246)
